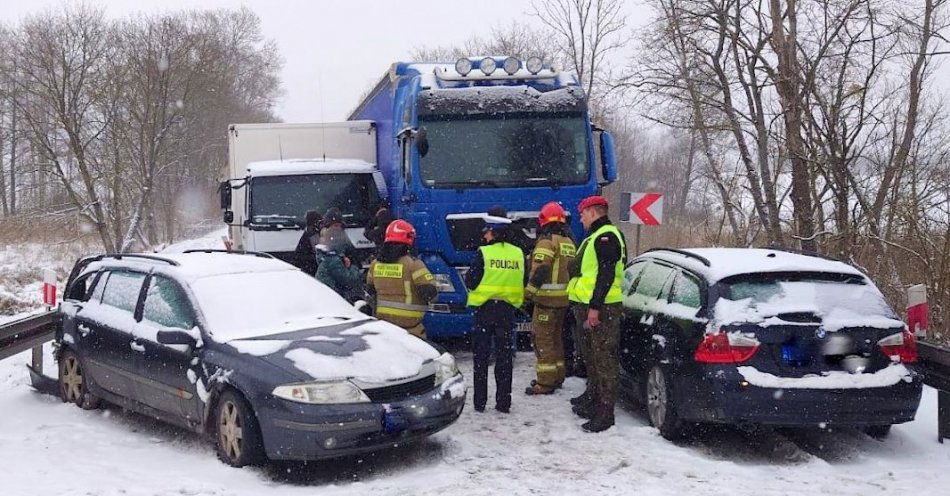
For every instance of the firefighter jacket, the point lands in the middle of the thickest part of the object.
(403, 290)
(550, 261)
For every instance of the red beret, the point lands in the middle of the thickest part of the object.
(592, 201)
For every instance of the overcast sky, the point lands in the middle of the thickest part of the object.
(334, 50)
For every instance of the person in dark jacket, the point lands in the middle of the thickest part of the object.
(305, 256)
(496, 283)
(376, 229)
(335, 252)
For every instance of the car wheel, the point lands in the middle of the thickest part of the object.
(877, 431)
(73, 383)
(237, 433)
(659, 404)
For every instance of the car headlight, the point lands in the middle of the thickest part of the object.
(322, 393)
(445, 368)
(443, 283)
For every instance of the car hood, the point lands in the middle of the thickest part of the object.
(367, 350)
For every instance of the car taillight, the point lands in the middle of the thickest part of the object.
(726, 348)
(901, 347)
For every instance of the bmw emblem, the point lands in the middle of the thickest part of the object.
(820, 333)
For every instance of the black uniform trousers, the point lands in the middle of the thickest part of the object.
(493, 331)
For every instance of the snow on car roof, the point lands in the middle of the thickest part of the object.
(193, 266)
(309, 166)
(727, 262)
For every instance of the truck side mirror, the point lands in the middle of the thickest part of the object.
(607, 158)
(224, 190)
(228, 216)
(422, 141)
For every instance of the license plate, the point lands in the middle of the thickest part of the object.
(795, 354)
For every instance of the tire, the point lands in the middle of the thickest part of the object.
(237, 434)
(659, 405)
(877, 431)
(73, 383)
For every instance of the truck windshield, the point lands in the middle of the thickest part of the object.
(504, 150)
(286, 199)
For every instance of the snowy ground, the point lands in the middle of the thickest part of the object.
(50, 448)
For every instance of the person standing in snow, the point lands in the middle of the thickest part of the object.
(547, 288)
(496, 282)
(305, 256)
(377, 227)
(594, 289)
(402, 285)
(335, 253)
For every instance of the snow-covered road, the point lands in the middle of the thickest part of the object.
(50, 448)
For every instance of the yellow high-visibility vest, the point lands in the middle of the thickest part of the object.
(503, 278)
(581, 289)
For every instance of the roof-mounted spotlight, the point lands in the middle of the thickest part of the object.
(487, 65)
(534, 65)
(511, 65)
(463, 66)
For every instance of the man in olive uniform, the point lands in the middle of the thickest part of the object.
(402, 285)
(594, 289)
(496, 282)
(547, 288)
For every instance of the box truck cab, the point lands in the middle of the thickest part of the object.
(455, 139)
(280, 171)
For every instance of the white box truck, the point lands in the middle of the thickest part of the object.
(277, 172)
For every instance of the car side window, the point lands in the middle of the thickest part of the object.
(686, 291)
(629, 282)
(96, 296)
(81, 288)
(653, 280)
(122, 290)
(167, 305)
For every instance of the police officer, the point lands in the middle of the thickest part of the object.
(547, 288)
(402, 285)
(496, 289)
(595, 291)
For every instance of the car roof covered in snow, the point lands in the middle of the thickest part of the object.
(728, 262)
(195, 265)
(309, 166)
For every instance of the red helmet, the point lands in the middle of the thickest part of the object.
(552, 212)
(400, 231)
(592, 201)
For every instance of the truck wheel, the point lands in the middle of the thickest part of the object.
(878, 431)
(660, 407)
(72, 383)
(237, 433)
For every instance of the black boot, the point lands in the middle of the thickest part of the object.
(585, 411)
(585, 397)
(603, 419)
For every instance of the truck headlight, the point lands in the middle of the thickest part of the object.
(443, 283)
(322, 393)
(445, 368)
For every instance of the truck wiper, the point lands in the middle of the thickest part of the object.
(471, 183)
(553, 181)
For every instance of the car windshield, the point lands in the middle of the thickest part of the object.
(286, 199)
(247, 305)
(803, 297)
(504, 150)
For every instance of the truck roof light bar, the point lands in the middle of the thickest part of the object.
(522, 74)
(534, 65)
(511, 65)
(487, 65)
(463, 66)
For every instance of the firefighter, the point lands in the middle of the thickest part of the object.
(496, 282)
(547, 289)
(594, 289)
(401, 284)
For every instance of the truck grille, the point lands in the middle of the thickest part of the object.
(402, 391)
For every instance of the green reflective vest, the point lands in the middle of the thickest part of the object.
(581, 289)
(503, 278)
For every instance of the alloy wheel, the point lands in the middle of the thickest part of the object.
(70, 380)
(656, 397)
(230, 431)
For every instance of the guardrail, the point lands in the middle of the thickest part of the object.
(21, 335)
(934, 366)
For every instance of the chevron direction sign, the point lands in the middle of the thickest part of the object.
(643, 208)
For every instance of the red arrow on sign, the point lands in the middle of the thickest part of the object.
(642, 206)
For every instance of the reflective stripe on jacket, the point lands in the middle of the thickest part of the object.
(397, 295)
(555, 252)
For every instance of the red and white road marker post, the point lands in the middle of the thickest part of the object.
(643, 209)
(49, 299)
(917, 310)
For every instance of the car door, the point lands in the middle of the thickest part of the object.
(162, 370)
(108, 324)
(631, 312)
(76, 331)
(677, 319)
(652, 285)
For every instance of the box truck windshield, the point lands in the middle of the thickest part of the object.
(286, 199)
(504, 150)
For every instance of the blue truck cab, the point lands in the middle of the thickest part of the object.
(453, 140)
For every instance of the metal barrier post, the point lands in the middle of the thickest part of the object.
(943, 415)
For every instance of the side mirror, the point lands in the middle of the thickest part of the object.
(228, 216)
(422, 141)
(607, 158)
(176, 336)
(224, 190)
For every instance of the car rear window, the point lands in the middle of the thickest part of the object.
(122, 290)
(834, 299)
(653, 279)
(686, 291)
